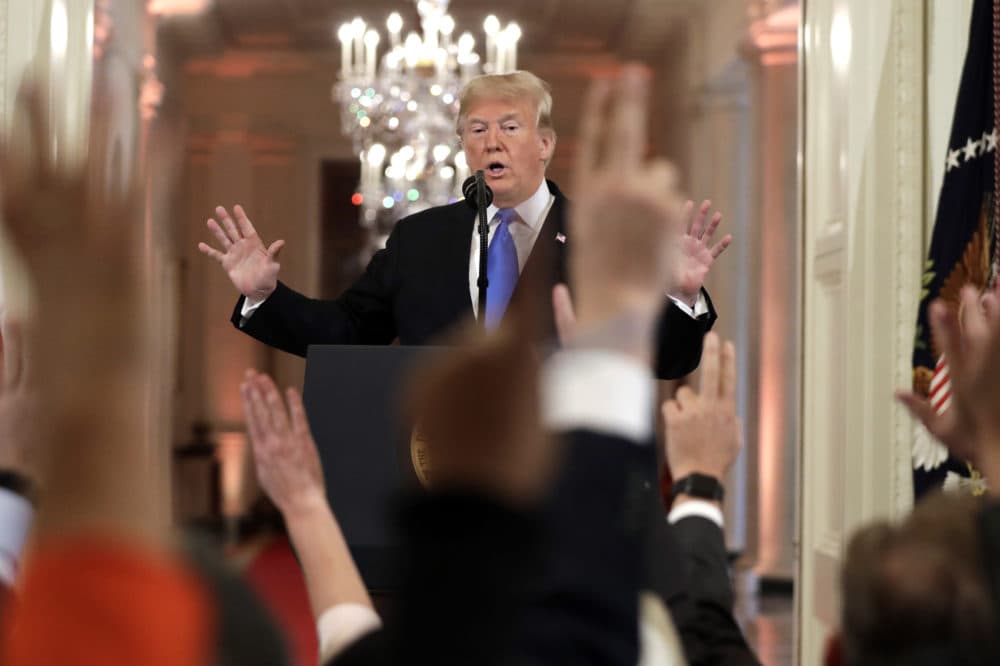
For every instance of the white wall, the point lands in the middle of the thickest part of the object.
(863, 212)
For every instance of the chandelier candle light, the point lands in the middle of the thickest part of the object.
(399, 108)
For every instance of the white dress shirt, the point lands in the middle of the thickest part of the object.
(341, 625)
(603, 391)
(695, 508)
(16, 516)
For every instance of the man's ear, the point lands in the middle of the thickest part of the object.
(547, 140)
(833, 653)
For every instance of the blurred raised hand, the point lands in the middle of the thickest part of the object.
(88, 328)
(625, 217)
(81, 246)
(252, 266)
(969, 338)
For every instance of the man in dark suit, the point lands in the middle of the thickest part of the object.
(424, 282)
(579, 604)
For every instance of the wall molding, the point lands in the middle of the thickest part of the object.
(909, 209)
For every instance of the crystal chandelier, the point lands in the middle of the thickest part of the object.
(399, 108)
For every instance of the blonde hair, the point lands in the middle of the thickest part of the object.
(512, 86)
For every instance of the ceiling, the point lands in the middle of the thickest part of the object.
(632, 28)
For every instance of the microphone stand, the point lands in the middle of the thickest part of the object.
(484, 236)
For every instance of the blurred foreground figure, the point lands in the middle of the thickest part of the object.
(100, 586)
(918, 593)
(103, 583)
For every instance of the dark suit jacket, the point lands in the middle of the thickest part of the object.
(687, 565)
(489, 585)
(705, 619)
(484, 584)
(417, 288)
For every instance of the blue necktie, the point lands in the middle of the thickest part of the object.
(501, 268)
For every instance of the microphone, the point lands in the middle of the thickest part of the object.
(470, 190)
(479, 196)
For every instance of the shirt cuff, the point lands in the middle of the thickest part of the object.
(249, 306)
(16, 515)
(700, 307)
(341, 625)
(695, 508)
(598, 390)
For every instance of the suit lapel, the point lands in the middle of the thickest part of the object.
(460, 224)
(546, 265)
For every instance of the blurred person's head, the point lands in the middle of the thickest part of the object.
(505, 124)
(916, 592)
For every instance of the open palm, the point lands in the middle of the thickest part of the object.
(252, 266)
(697, 254)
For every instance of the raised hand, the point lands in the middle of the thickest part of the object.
(697, 254)
(89, 330)
(288, 469)
(625, 214)
(252, 266)
(703, 431)
(969, 337)
(284, 453)
(81, 246)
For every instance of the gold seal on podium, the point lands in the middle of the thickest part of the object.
(420, 456)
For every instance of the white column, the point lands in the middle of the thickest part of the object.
(721, 169)
(774, 239)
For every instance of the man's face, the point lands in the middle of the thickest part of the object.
(502, 138)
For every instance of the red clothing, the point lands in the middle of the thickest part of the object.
(100, 603)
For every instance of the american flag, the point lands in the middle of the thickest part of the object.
(940, 394)
(963, 245)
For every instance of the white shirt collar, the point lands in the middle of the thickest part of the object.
(531, 211)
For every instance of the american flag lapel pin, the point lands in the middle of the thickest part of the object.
(561, 238)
